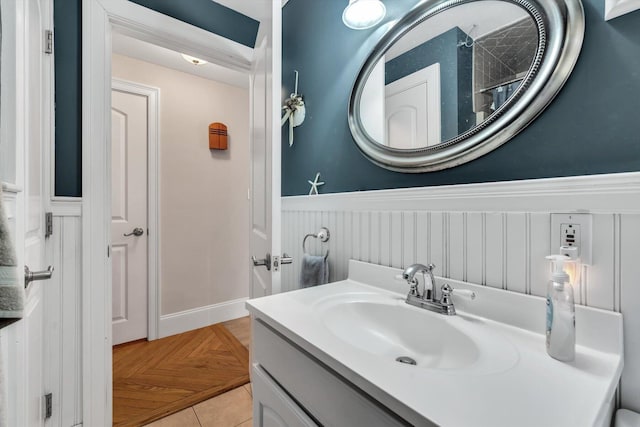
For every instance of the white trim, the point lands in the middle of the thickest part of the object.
(66, 199)
(148, 25)
(99, 19)
(66, 208)
(96, 266)
(275, 146)
(153, 197)
(615, 8)
(188, 320)
(618, 193)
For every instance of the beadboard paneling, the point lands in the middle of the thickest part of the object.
(499, 248)
(629, 298)
(63, 296)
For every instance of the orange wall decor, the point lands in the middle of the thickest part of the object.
(218, 136)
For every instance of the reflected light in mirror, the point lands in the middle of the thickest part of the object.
(363, 14)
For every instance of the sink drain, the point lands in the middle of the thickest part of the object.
(406, 359)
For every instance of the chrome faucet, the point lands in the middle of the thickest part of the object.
(409, 275)
(428, 299)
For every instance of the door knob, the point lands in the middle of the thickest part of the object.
(30, 276)
(136, 232)
(266, 261)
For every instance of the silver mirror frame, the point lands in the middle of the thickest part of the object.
(560, 26)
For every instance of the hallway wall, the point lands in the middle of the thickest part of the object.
(204, 209)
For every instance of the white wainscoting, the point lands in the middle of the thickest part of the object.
(63, 375)
(495, 234)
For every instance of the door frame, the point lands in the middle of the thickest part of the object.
(99, 18)
(153, 197)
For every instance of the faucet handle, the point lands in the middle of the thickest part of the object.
(466, 293)
(446, 294)
(447, 291)
(412, 282)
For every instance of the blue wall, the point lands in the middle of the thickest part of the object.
(209, 16)
(67, 16)
(591, 127)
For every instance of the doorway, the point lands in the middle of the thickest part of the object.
(100, 19)
(200, 205)
(201, 238)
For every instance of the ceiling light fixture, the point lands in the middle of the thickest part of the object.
(363, 14)
(193, 60)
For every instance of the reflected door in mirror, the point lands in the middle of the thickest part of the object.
(412, 109)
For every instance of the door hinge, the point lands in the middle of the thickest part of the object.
(48, 42)
(48, 225)
(48, 405)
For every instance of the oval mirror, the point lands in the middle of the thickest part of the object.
(453, 80)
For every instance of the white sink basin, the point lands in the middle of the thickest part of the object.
(388, 328)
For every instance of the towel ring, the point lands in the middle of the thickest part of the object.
(323, 235)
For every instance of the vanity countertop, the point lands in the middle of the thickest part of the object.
(532, 389)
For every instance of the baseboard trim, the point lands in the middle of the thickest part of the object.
(188, 320)
(618, 192)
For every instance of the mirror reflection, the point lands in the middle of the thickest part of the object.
(448, 74)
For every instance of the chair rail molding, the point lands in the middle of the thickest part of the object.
(615, 8)
(618, 192)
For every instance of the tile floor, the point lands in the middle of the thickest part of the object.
(231, 409)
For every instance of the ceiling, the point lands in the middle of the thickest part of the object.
(129, 46)
(134, 48)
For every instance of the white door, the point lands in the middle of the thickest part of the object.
(28, 118)
(412, 109)
(265, 157)
(129, 244)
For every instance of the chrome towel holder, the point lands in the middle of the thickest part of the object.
(323, 235)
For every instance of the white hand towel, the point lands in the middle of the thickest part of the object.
(314, 270)
(11, 292)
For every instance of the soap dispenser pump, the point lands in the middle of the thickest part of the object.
(561, 323)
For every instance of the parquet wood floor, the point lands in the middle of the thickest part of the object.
(152, 379)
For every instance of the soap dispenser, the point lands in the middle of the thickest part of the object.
(561, 323)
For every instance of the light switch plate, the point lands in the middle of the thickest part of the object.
(561, 222)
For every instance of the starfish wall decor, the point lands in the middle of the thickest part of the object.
(315, 184)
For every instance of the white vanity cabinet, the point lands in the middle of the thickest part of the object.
(291, 388)
(272, 407)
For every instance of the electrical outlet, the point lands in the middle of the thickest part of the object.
(570, 234)
(572, 230)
